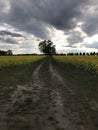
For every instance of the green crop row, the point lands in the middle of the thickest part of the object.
(17, 69)
(15, 61)
(88, 63)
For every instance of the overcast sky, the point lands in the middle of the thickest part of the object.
(72, 25)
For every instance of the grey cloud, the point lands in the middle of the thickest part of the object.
(91, 25)
(3, 33)
(75, 37)
(69, 46)
(34, 15)
(9, 37)
(4, 7)
(90, 19)
(93, 45)
(9, 40)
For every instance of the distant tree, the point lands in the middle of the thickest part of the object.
(83, 53)
(93, 53)
(87, 54)
(70, 54)
(2, 53)
(97, 53)
(76, 54)
(9, 52)
(47, 47)
(80, 53)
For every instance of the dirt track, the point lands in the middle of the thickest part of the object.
(46, 103)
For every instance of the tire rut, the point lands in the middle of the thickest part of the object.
(62, 95)
(22, 105)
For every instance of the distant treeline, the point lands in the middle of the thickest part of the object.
(9, 52)
(68, 54)
(80, 54)
(34, 54)
(6, 53)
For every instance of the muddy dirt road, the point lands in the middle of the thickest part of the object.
(46, 103)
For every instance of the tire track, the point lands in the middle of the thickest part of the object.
(31, 105)
(22, 104)
(62, 93)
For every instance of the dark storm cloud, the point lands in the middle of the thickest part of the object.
(9, 37)
(34, 15)
(9, 40)
(3, 33)
(91, 25)
(90, 18)
(75, 37)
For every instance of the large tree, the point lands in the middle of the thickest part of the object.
(47, 47)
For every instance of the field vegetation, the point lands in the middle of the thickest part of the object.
(14, 61)
(53, 92)
(17, 69)
(81, 72)
(81, 75)
(83, 63)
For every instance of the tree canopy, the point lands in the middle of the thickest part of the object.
(6, 53)
(47, 47)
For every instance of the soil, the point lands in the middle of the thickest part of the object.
(46, 103)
